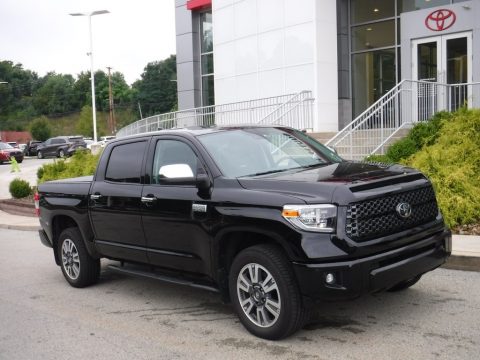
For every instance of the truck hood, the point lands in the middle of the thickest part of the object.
(320, 184)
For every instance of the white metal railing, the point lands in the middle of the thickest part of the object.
(408, 102)
(295, 110)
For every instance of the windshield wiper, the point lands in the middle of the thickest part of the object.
(268, 172)
(314, 165)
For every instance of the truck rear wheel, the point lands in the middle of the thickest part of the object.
(265, 293)
(78, 267)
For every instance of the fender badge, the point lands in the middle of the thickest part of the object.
(199, 208)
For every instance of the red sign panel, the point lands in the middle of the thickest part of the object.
(440, 20)
(198, 4)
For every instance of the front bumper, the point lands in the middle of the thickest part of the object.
(374, 273)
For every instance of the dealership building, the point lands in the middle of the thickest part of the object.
(347, 53)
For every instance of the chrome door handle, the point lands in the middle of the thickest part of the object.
(95, 196)
(148, 199)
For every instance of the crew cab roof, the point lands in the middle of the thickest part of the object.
(195, 131)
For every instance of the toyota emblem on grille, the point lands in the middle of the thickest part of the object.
(404, 210)
(440, 20)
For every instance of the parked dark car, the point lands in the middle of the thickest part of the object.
(7, 152)
(60, 146)
(31, 148)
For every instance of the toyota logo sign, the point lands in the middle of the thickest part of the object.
(440, 20)
(404, 210)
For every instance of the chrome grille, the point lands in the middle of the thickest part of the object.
(378, 217)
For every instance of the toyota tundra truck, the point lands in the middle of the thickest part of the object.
(266, 216)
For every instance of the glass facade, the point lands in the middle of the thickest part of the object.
(375, 46)
(206, 58)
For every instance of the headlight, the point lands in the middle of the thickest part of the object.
(321, 218)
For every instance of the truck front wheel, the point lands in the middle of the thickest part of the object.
(265, 293)
(78, 267)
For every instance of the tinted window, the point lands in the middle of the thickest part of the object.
(125, 163)
(170, 152)
(58, 141)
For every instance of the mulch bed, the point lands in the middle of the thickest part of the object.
(23, 207)
(472, 229)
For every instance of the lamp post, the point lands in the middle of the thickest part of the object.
(94, 110)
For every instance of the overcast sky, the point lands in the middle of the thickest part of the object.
(42, 36)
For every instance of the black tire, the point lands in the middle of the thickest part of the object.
(19, 161)
(291, 313)
(39, 155)
(61, 153)
(88, 270)
(405, 284)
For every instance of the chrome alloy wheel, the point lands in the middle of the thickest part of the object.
(258, 295)
(70, 259)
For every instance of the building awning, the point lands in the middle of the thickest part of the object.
(198, 4)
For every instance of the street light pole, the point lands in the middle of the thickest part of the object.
(92, 78)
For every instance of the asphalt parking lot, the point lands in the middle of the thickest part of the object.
(123, 317)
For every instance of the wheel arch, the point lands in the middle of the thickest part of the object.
(229, 244)
(59, 224)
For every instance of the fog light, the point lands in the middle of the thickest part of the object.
(330, 279)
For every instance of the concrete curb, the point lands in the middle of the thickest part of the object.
(461, 262)
(20, 227)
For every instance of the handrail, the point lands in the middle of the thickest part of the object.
(375, 104)
(300, 94)
(258, 111)
(406, 103)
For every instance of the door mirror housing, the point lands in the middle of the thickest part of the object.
(175, 171)
(182, 174)
(203, 183)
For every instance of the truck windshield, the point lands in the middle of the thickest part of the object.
(260, 151)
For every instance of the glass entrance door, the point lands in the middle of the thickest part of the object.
(446, 60)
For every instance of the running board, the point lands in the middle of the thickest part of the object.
(165, 278)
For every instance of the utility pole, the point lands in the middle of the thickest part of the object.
(111, 123)
(140, 109)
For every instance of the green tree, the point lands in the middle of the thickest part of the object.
(40, 129)
(155, 91)
(16, 96)
(85, 123)
(56, 95)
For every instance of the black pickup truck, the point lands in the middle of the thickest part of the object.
(266, 216)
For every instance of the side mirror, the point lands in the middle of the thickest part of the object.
(203, 182)
(175, 171)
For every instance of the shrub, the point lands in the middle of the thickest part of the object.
(20, 188)
(40, 129)
(81, 163)
(452, 162)
(422, 134)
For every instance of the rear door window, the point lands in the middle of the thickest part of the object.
(125, 163)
